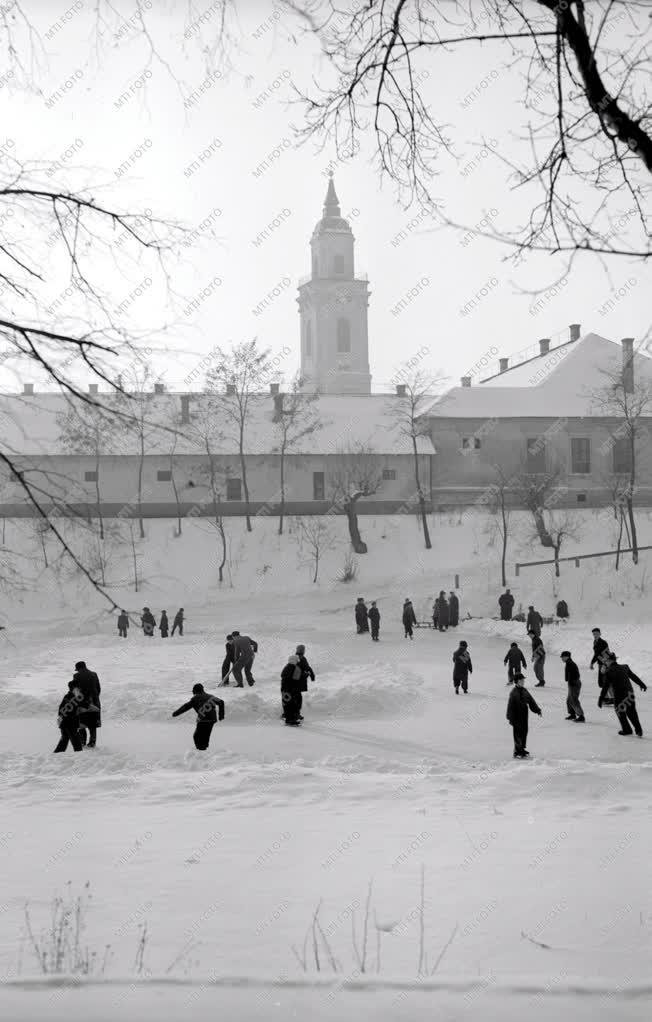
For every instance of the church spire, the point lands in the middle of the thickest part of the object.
(331, 202)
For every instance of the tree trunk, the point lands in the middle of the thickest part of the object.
(98, 499)
(544, 536)
(243, 469)
(422, 502)
(620, 536)
(504, 539)
(282, 510)
(141, 465)
(357, 542)
(557, 548)
(630, 496)
(134, 558)
(316, 564)
(223, 538)
(176, 500)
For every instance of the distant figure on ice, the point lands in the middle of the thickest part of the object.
(562, 609)
(123, 624)
(164, 624)
(443, 616)
(601, 657)
(306, 672)
(518, 704)
(227, 663)
(68, 720)
(244, 650)
(204, 704)
(435, 614)
(291, 690)
(148, 621)
(453, 610)
(534, 621)
(514, 660)
(374, 620)
(538, 659)
(462, 668)
(178, 622)
(409, 619)
(572, 676)
(619, 678)
(506, 604)
(90, 711)
(362, 624)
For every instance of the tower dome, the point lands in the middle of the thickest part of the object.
(332, 221)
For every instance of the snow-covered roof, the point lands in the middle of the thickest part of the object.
(31, 424)
(563, 383)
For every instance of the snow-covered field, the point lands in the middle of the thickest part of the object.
(536, 874)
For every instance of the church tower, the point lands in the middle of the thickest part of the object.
(333, 309)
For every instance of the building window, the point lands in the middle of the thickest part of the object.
(234, 489)
(164, 475)
(389, 473)
(622, 453)
(581, 498)
(580, 456)
(471, 443)
(536, 455)
(338, 264)
(343, 335)
(90, 477)
(308, 339)
(318, 486)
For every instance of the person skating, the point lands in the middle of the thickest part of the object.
(244, 650)
(227, 663)
(409, 619)
(506, 604)
(361, 619)
(291, 690)
(534, 621)
(148, 622)
(164, 625)
(572, 677)
(462, 668)
(374, 620)
(90, 712)
(204, 704)
(443, 614)
(619, 678)
(123, 624)
(538, 659)
(514, 660)
(562, 610)
(519, 703)
(601, 655)
(68, 718)
(306, 672)
(453, 610)
(178, 621)
(435, 614)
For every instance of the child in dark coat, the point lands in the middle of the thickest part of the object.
(462, 668)
(517, 714)
(409, 619)
(514, 660)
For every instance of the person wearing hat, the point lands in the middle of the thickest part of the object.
(148, 621)
(462, 668)
(291, 690)
(409, 619)
(362, 624)
(514, 660)
(178, 621)
(600, 657)
(518, 704)
(374, 620)
(534, 621)
(619, 678)
(453, 610)
(208, 708)
(572, 676)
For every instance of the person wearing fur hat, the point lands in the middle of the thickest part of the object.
(209, 710)
(409, 619)
(462, 667)
(291, 690)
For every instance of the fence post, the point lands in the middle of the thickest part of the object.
(518, 570)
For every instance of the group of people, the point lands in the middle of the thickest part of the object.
(239, 657)
(80, 710)
(445, 615)
(506, 604)
(366, 617)
(148, 623)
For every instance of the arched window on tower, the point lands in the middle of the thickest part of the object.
(338, 264)
(343, 335)
(308, 340)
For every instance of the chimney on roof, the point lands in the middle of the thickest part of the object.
(230, 389)
(466, 381)
(274, 388)
(574, 330)
(544, 345)
(28, 388)
(92, 388)
(159, 388)
(628, 364)
(278, 406)
(185, 408)
(503, 363)
(401, 389)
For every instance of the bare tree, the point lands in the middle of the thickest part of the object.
(88, 429)
(354, 474)
(173, 482)
(498, 506)
(236, 376)
(295, 417)
(541, 493)
(137, 422)
(208, 425)
(317, 537)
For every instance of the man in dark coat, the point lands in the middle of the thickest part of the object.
(601, 657)
(443, 616)
(306, 672)
(514, 660)
(123, 624)
(518, 704)
(562, 609)
(361, 621)
(244, 649)
(506, 603)
(572, 676)
(164, 626)
(453, 610)
(68, 718)
(374, 620)
(178, 621)
(291, 690)
(204, 704)
(148, 621)
(534, 621)
(462, 668)
(620, 677)
(409, 619)
(538, 659)
(90, 714)
(227, 663)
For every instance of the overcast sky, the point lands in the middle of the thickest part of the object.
(99, 132)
